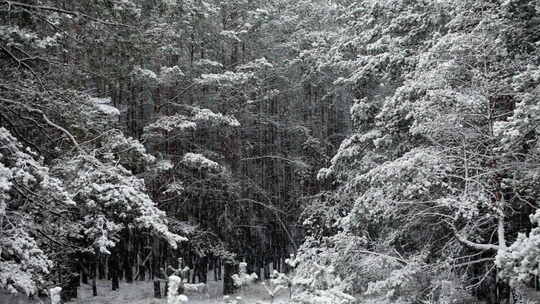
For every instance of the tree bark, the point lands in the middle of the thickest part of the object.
(114, 269)
(94, 276)
(228, 283)
(101, 268)
(157, 288)
(266, 268)
(69, 286)
(128, 268)
(155, 268)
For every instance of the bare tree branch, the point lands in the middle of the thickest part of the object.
(59, 10)
(46, 119)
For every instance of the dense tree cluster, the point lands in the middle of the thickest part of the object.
(134, 132)
(433, 196)
(390, 145)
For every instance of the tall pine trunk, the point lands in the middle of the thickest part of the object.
(228, 283)
(128, 256)
(94, 276)
(114, 269)
(155, 268)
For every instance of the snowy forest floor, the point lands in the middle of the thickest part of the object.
(142, 293)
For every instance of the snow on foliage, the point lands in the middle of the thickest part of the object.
(13, 35)
(175, 188)
(182, 124)
(436, 139)
(214, 119)
(104, 106)
(232, 35)
(324, 173)
(5, 186)
(170, 75)
(26, 172)
(26, 265)
(176, 122)
(25, 184)
(402, 284)
(199, 161)
(523, 122)
(112, 196)
(520, 261)
(128, 151)
(209, 63)
(144, 76)
(255, 65)
(128, 7)
(226, 79)
(315, 279)
(162, 165)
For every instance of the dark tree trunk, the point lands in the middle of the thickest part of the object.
(101, 269)
(94, 287)
(128, 269)
(203, 272)
(266, 268)
(142, 272)
(217, 269)
(69, 288)
(228, 283)
(501, 292)
(155, 268)
(157, 288)
(84, 277)
(94, 277)
(249, 261)
(114, 269)
(83, 271)
(260, 265)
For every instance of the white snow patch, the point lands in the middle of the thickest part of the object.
(103, 104)
(142, 293)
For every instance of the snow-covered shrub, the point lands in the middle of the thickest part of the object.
(230, 300)
(277, 282)
(172, 293)
(451, 292)
(315, 280)
(54, 294)
(242, 278)
(403, 284)
(196, 288)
